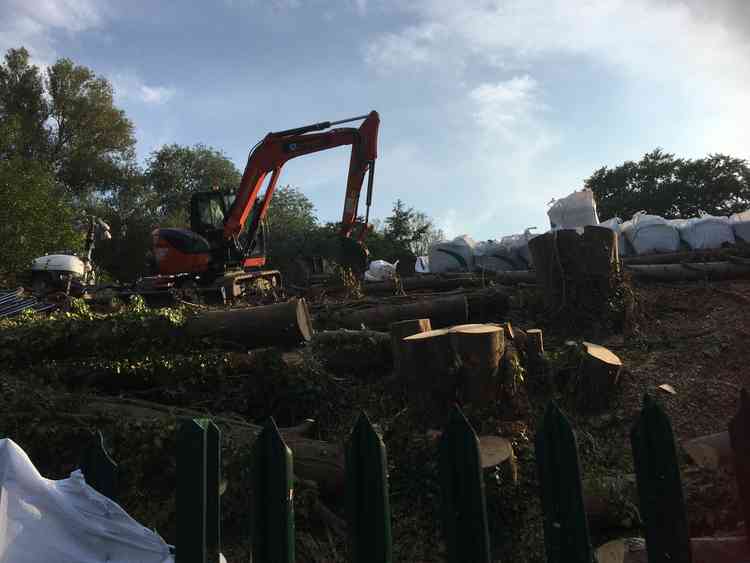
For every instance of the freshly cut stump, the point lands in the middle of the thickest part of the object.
(480, 348)
(497, 452)
(399, 331)
(597, 377)
(430, 366)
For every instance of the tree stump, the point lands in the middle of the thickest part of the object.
(576, 271)
(399, 331)
(431, 365)
(596, 378)
(480, 349)
(711, 452)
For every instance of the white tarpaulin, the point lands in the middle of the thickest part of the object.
(65, 521)
(576, 210)
(616, 224)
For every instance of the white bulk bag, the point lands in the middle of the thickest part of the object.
(65, 520)
(706, 232)
(452, 256)
(380, 270)
(576, 210)
(422, 265)
(496, 256)
(741, 225)
(649, 234)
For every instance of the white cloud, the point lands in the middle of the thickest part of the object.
(129, 87)
(679, 62)
(33, 23)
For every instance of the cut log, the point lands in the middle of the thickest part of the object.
(690, 272)
(365, 354)
(488, 305)
(442, 312)
(537, 366)
(711, 452)
(497, 455)
(435, 282)
(733, 549)
(480, 349)
(399, 331)
(596, 378)
(430, 366)
(717, 254)
(278, 324)
(314, 460)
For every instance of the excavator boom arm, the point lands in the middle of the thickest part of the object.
(277, 148)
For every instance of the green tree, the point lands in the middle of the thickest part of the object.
(175, 172)
(34, 217)
(408, 231)
(89, 138)
(22, 107)
(672, 187)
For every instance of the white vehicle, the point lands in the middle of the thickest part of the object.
(65, 270)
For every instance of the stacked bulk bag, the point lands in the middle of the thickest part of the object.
(452, 256)
(705, 232)
(741, 225)
(649, 234)
(494, 256)
(576, 210)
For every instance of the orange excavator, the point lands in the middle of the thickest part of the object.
(225, 247)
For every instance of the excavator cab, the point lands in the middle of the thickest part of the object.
(208, 211)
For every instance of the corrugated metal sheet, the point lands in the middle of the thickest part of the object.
(15, 302)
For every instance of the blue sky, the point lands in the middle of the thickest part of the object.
(489, 109)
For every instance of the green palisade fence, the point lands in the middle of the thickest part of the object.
(368, 508)
(98, 468)
(272, 511)
(660, 496)
(566, 533)
(464, 511)
(462, 482)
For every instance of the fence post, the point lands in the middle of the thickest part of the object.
(369, 512)
(213, 501)
(660, 496)
(272, 510)
(740, 439)
(98, 468)
(566, 530)
(462, 483)
(191, 492)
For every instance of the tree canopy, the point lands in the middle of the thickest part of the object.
(663, 184)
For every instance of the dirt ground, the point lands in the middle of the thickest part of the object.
(691, 336)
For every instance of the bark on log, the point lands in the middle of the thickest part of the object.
(442, 312)
(437, 282)
(596, 378)
(399, 331)
(690, 272)
(511, 372)
(576, 271)
(278, 324)
(717, 254)
(430, 365)
(364, 353)
(480, 349)
(733, 549)
(488, 305)
(711, 452)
